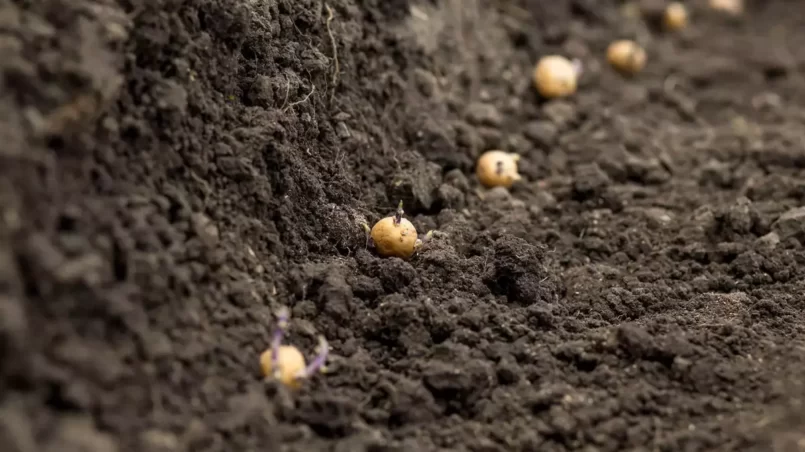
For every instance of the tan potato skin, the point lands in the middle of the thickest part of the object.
(486, 169)
(291, 363)
(734, 7)
(555, 76)
(675, 17)
(394, 240)
(627, 57)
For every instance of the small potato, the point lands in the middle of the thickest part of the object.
(733, 7)
(675, 17)
(556, 76)
(291, 365)
(497, 169)
(627, 57)
(394, 237)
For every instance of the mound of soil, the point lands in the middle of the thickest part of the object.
(174, 171)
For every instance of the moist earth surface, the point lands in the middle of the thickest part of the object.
(174, 171)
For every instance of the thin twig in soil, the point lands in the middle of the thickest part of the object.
(337, 67)
(287, 91)
(301, 101)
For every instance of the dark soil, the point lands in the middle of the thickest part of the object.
(173, 171)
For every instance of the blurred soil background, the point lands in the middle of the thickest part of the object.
(173, 171)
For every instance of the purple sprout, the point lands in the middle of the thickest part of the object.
(399, 214)
(318, 363)
(578, 66)
(276, 341)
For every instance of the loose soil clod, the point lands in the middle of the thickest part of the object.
(169, 177)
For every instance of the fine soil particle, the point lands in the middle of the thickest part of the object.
(172, 172)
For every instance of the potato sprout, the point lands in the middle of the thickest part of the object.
(286, 363)
(497, 169)
(627, 57)
(395, 236)
(675, 17)
(556, 76)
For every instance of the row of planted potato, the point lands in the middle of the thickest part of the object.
(554, 76)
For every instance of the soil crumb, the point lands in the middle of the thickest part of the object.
(172, 172)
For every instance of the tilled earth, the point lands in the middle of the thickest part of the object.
(174, 171)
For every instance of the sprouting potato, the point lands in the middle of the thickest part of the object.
(497, 169)
(556, 76)
(675, 16)
(627, 57)
(290, 363)
(285, 363)
(395, 236)
(733, 7)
